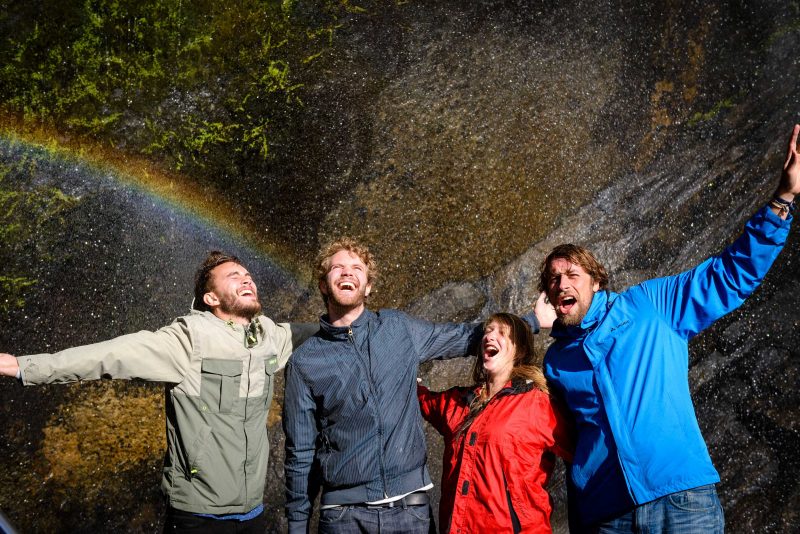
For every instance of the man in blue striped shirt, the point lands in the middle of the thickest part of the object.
(351, 415)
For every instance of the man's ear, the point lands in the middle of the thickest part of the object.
(367, 290)
(323, 287)
(211, 299)
(596, 287)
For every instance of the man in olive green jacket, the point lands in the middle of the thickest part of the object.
(219, 362)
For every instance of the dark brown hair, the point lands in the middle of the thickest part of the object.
(577, 255)
(214, 259)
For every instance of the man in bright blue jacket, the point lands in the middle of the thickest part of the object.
(620, 361)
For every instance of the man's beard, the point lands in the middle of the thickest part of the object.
(358, 298)
(570, 320)
(573, 319)
(235, 308)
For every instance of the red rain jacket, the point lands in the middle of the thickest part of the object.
(505, 457)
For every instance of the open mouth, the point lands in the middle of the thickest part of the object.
(490, 351)
(565, 304)
(347, 286)
(247, 293)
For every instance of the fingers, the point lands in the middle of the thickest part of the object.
(545, 313)
(792, 146)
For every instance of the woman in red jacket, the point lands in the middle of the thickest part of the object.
(500, 437)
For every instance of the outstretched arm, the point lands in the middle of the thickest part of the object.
(160, 356)
(8, 365)
(440, 341)
(789, 186)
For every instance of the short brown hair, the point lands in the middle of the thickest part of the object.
(351, 245)
(577, 255)
(203, 275)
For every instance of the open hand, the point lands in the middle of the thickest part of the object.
(545, 312)
(789, 185)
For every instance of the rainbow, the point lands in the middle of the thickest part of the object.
(172, 192)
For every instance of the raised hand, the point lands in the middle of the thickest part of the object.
(790, 178)
(782, 203)
(544, 311)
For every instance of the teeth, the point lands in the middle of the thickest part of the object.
(347, 285)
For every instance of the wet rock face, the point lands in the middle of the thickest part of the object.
(465, 140)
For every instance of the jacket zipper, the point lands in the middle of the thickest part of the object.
(371, 382)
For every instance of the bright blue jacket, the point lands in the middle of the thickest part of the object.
(623, 372)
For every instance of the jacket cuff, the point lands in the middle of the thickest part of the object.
(775, 228)
(532, 321)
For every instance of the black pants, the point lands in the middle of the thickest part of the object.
(179, 521)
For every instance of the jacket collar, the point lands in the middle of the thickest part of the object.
(341, 332)
(252, 332)
(512, 387)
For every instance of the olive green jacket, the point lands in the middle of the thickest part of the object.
(219, 392)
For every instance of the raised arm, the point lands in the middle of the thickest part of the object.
(434, 341)
(692, 300)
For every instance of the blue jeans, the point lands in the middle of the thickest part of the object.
(361, 520)
(694, 511)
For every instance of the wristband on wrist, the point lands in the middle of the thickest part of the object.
(783, 206)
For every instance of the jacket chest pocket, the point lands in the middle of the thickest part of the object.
(220, 381)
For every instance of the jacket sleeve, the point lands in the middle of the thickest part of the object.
(692, 300)
(300, 427)
(288, 336)
(433, 407)
(533, 322)
(160, 356)
(434, 341)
